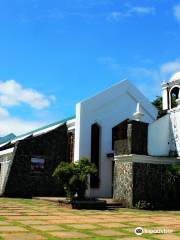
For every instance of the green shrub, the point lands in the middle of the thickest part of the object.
(74, 177)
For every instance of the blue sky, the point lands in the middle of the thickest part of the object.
(56, 53)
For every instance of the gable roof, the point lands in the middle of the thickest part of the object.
(117, 90)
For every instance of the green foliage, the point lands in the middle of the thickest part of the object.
(144, 205)
(158, 104)
(174, 103)
(74, 177)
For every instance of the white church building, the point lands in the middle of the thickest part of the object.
(100, 122)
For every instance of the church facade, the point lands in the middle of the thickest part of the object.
(116, 129)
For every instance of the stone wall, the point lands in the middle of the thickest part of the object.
(150, 183)
(136, 180)
(137, 133)
(51, 146)
(135, 141)
(123, 183)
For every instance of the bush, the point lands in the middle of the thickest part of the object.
(74, 177)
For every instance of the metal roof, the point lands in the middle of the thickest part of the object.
(7, 138)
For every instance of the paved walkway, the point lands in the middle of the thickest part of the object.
(22, 219)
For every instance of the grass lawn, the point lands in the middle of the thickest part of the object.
(26, 219)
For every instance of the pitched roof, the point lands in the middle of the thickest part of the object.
(13, 138)
(7, 138)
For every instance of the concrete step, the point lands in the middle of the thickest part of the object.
(113, 205)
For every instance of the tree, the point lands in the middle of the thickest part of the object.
(158, 104)
(74, 177)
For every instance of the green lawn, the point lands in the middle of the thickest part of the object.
(26, 219)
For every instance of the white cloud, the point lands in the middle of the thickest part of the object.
(3, 113)
(13, 94)
(170, 67)
(10, 124)
(177, 12)
(138, 10)
(15, 125)
(142, 10)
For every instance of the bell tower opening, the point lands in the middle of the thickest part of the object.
(171, 92)
(174, 94)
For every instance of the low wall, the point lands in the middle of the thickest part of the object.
(138, 178)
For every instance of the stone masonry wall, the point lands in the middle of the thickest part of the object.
(135, 141)
(52, 146)
(137, 134)
(150, 183)
(123, 182)
(140, 181)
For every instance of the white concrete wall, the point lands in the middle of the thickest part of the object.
(4, 168)
(175, 130)
(5, 162)
(158, 137)
(164, 134)
(108, 109)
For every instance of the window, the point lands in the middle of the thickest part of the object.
(37, 164)
(95, 153)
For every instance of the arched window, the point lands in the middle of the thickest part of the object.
(95, 153)
(174, 94)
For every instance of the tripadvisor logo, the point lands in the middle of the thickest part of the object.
(138, 231)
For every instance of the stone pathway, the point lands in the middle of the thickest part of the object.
(22, 219)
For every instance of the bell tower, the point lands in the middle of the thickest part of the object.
(171, 92)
